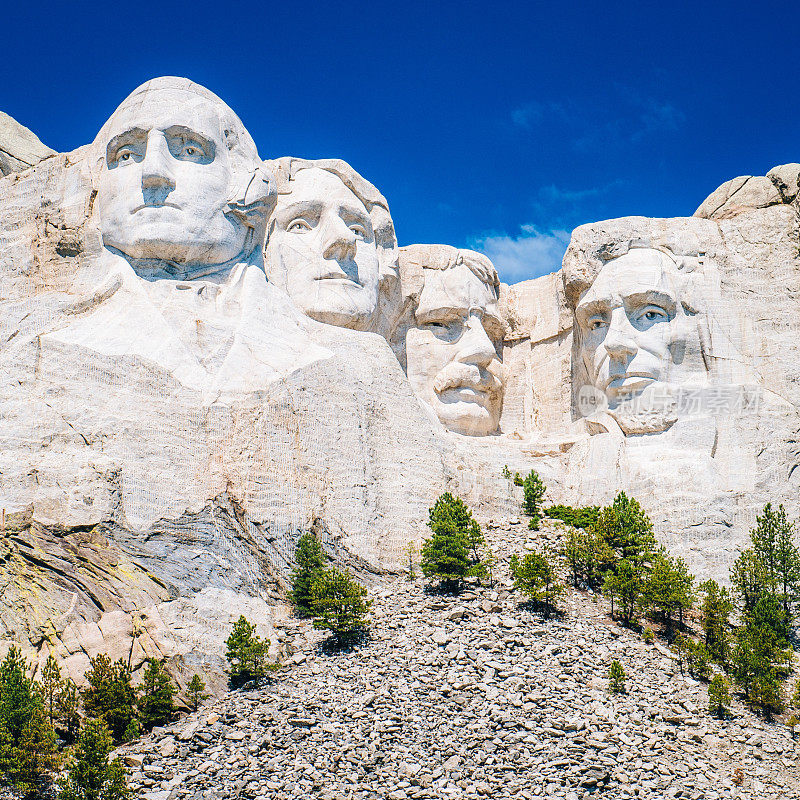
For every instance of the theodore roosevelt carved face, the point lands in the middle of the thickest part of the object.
(330, 242)
(170, 165)
(638, 330)
(451, 347)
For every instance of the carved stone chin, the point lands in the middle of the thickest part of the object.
(451, 345)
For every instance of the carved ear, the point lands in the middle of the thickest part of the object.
(253, 195)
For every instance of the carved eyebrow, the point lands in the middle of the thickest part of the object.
(132, 134)
(182, 132)
(650, 297)
(301, 206)
(436, 314)
(590, 308)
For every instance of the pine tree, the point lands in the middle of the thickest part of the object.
(310, 560)
(69, 706)
(626, 529)
(91, 775)
(719, 698)
(749, 580)
(668, 587)
(157, 692)
(111, 696)
(37, 755)
(27, 740)
(195, 691)
(625, 586)
(339, 605)
(533, 490)
(451, 553)
(51, 687)
(616, 678)
(717, 607)
(247, 653)
(535, 576)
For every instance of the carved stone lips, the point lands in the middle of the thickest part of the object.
(154, 205)
(619, 380)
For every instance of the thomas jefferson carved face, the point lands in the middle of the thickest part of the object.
(633, 325)
(322, 250)
(164, 185)
(451, 355)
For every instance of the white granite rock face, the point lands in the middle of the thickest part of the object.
(20, 148)
(204, 355)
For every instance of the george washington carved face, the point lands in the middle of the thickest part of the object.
(168, 161)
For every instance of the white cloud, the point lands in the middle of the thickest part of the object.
(531, 253)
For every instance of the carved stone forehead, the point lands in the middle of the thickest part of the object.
(456, 288)
(638, 272)
(315, 184)
(167, 102)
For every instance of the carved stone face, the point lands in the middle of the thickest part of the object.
(163, 189)
(451, 358)
(322, 250)
(630, 337)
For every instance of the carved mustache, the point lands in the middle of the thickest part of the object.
(466, 376)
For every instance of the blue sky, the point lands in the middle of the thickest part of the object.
(499, 126)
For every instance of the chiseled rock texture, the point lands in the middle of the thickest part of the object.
(20, 148)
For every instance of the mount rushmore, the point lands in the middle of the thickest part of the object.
(206, 354)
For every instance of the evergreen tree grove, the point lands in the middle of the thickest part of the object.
(110, 695)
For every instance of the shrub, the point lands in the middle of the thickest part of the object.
(310, 560)
(616, 678)
(156, 704)
(695, 655)
(195, 692)
(451, 553)
(648, 636)
(339, 604)
(247, 653)
(110, 696)
(535, 576)
(585, 517)
(719, 698)
(533, 490)
(91, 776)
(411, 552)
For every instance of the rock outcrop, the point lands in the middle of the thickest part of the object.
(20, 148)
